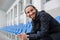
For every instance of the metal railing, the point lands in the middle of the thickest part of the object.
(10, 35)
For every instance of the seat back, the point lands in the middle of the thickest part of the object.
(58, 18)
(29, 27)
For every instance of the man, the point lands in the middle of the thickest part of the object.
(45, 27)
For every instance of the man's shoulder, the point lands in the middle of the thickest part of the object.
(42, 13)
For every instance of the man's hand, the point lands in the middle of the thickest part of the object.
(22, 36)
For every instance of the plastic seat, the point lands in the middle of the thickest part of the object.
(29, 27)
(19, 29)
(58, 18)
(24, 29)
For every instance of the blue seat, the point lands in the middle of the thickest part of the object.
(19, 29)
(5, 28)
(58, 18)
(24, 29)
(29, 27)
(11, 29)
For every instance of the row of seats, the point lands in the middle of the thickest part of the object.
(22, 28)
(18, 29)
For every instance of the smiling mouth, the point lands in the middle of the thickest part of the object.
(32, 16)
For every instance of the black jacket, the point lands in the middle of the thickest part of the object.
(43, 27)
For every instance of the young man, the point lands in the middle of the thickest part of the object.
(45, 27)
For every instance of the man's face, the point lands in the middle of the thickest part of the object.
(30, 12)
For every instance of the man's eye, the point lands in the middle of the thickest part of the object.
(32, 10)
(27, 12)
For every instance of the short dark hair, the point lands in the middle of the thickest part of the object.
(31, 6)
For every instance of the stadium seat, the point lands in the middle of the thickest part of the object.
(29, 27)
(58, 18)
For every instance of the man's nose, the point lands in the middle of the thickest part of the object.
(31, 13)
